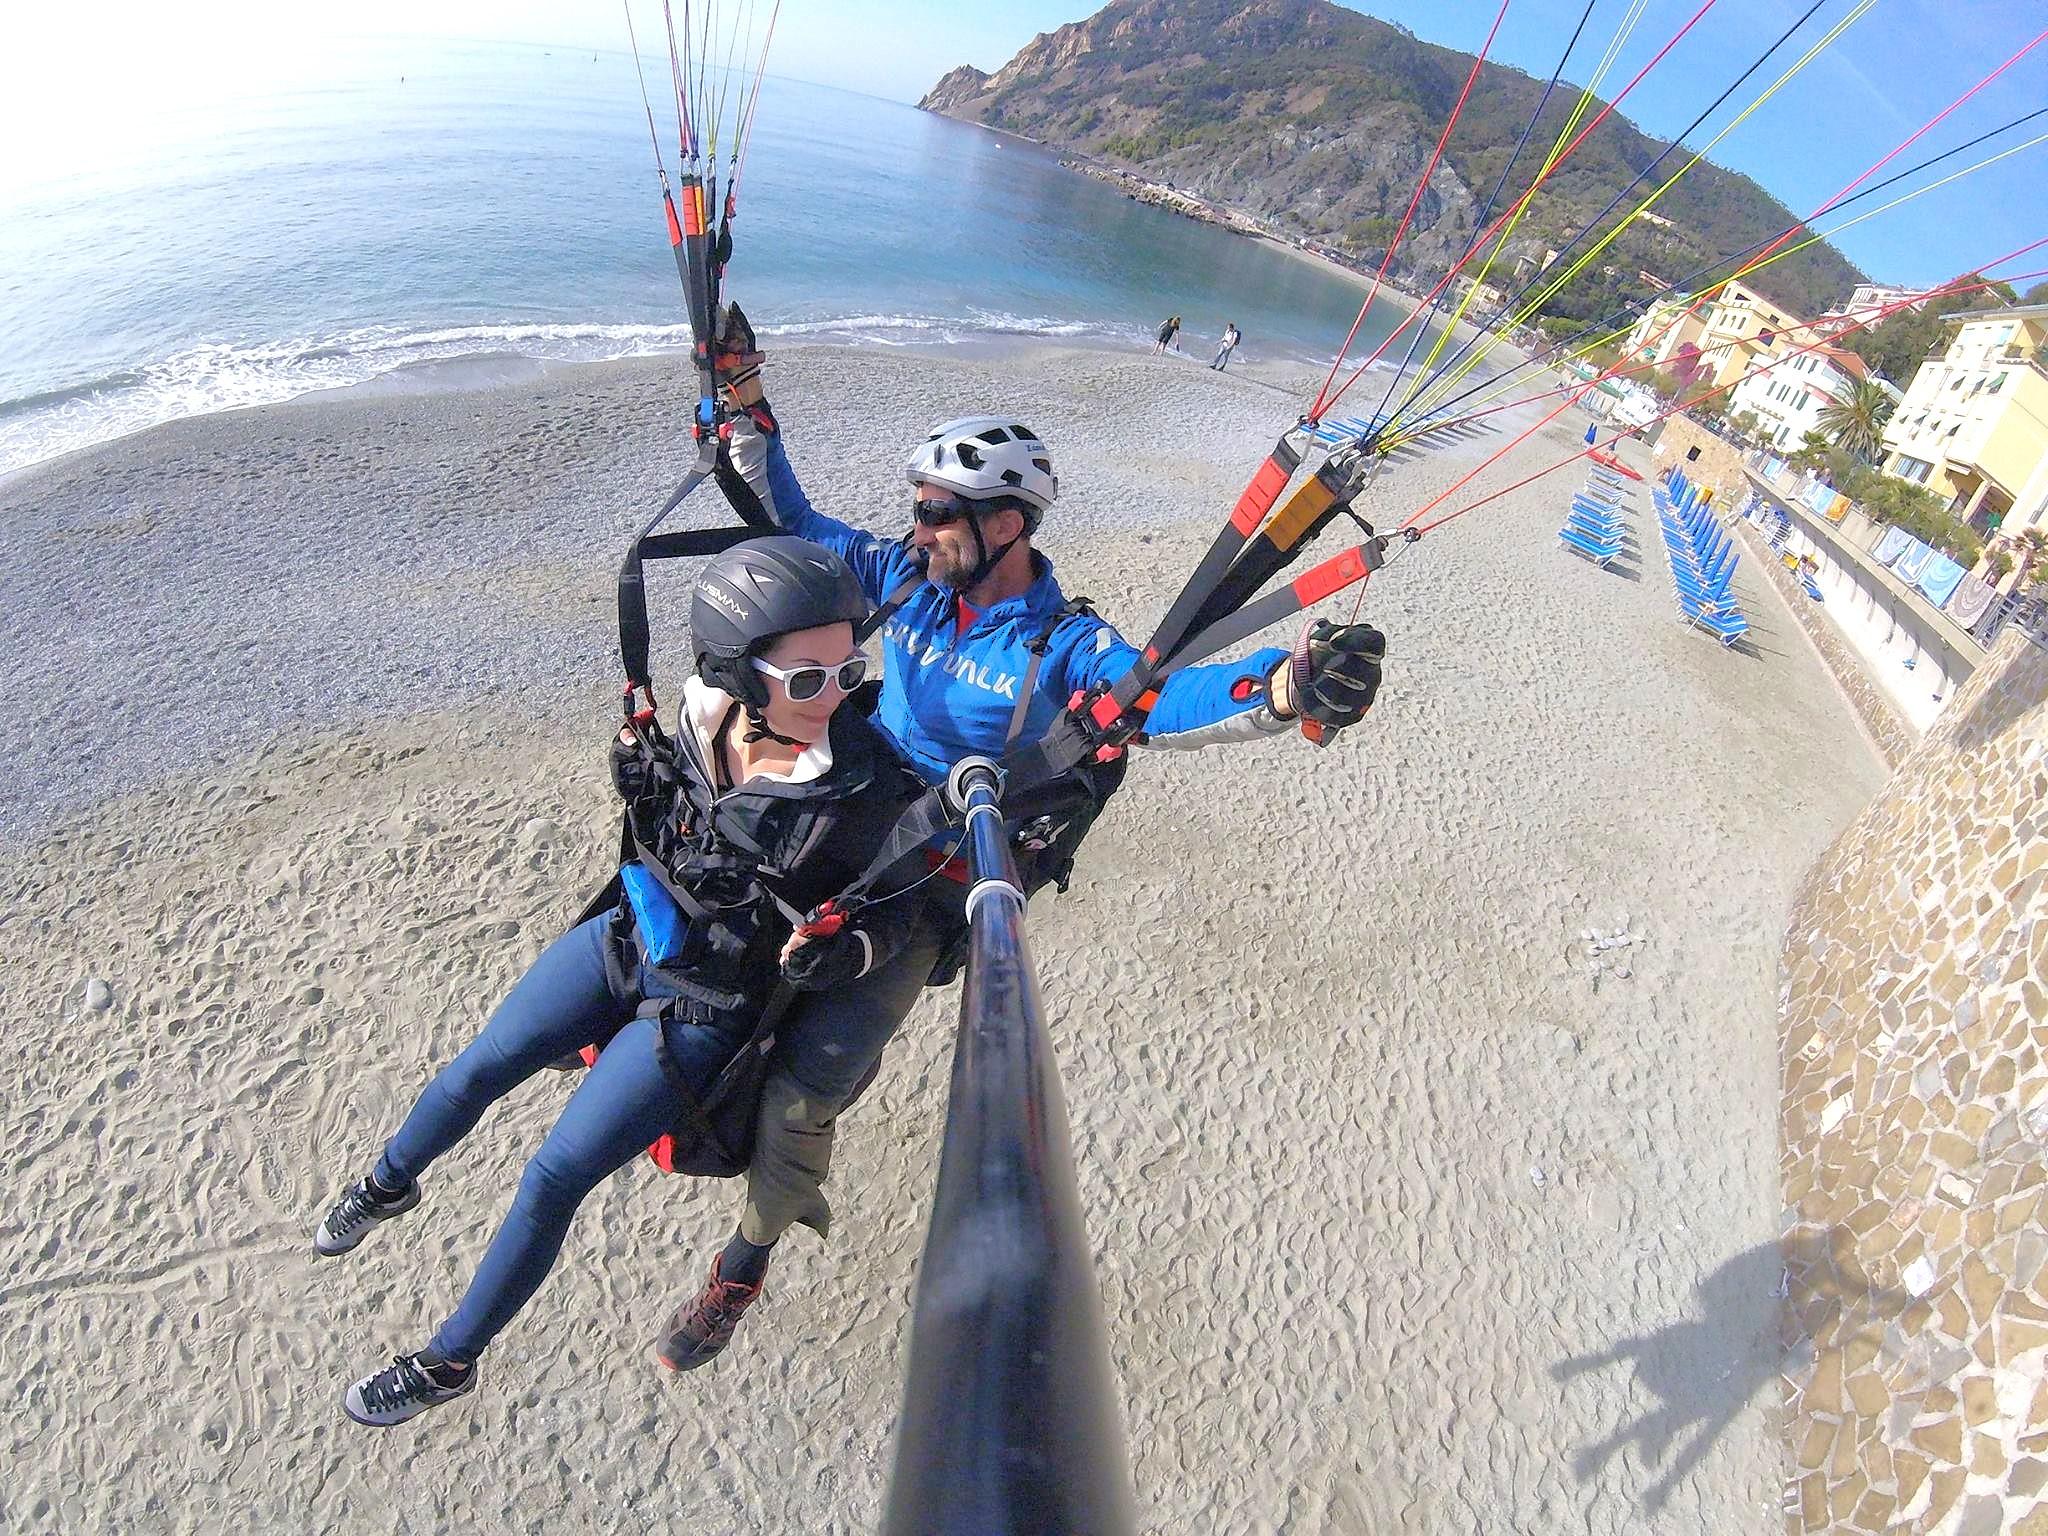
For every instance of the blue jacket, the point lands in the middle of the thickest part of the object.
(947, 695)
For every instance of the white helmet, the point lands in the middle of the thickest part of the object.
(985, 457)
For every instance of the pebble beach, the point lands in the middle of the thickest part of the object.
(1424, 1088)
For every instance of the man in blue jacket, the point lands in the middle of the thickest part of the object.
(969, 601)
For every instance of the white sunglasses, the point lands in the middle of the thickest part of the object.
(803, 684)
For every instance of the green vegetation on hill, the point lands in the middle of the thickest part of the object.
(1319, 119)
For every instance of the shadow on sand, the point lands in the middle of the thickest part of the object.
(1703, 1370)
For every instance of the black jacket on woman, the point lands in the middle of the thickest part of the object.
(744, 861)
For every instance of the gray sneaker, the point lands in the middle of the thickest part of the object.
(355, 1213)
(402, 1389)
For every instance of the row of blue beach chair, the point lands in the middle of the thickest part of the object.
(1594, 525)
(1702, 556)
(1349, 429)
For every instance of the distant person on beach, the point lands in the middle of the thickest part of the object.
(1169, 335)
(980, 649)
(766, 777)
(1231, 337)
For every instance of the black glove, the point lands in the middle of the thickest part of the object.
(829, 960)
(1337, 673)
(633, 762)
(632, 774)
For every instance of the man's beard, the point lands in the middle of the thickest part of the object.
(948, 569)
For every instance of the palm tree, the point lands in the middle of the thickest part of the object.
(2033, 556)
(1855, 423)
(1811, 454)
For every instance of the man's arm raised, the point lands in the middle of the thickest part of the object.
(757, 453)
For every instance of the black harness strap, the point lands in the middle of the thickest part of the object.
(929, 815)
(762, 1038)
(635, 638)
(890, 605)
(606, 900)
(1027, 689)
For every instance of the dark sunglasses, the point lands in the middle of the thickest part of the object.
(934, 512)
(803, 684)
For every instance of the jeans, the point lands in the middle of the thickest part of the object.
(829, 1043)
(622, 1104)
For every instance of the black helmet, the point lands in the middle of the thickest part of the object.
(758, 590)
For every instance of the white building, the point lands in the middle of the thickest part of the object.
(1973, 427)
(1788, 397)
(1865, 304)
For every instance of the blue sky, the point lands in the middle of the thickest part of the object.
(1899, 64)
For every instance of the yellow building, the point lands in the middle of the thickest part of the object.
(1732, 330)
(1973, 427)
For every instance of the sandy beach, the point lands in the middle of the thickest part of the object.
(1411, 1215)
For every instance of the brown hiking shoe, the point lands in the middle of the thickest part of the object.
(698, 1333)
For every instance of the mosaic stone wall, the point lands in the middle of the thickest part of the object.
(1915, 1137)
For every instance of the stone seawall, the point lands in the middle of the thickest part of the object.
(1915, 1137)
(1713, 463)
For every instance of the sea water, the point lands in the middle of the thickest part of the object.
(410, 204)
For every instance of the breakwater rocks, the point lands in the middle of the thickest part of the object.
(1161, 195)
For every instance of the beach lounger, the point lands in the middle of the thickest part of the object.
(1596, 550)
(1599, 533)
(1693, 588)
(1708, 584)
(1727, 628)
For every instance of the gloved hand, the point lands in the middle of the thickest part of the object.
(736, 359)
(633, 775)
(827, 960)
(1333, 675)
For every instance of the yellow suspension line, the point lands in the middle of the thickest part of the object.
(1441, 387)
(1586, 97)
(1791, 250)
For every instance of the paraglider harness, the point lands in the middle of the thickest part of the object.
(717, 1138)
(1055, 788)
(682, 858)
(1047, 827)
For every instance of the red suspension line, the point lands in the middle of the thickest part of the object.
(1519, 204)
(1414, 202)
(1414, 520)
(1763, 256)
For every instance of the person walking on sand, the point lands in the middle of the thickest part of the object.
(770, 799)
(980, 648)
(1231, 337)
(1169, 335)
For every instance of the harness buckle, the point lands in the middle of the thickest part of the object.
(638, 719)
(1106, 728)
